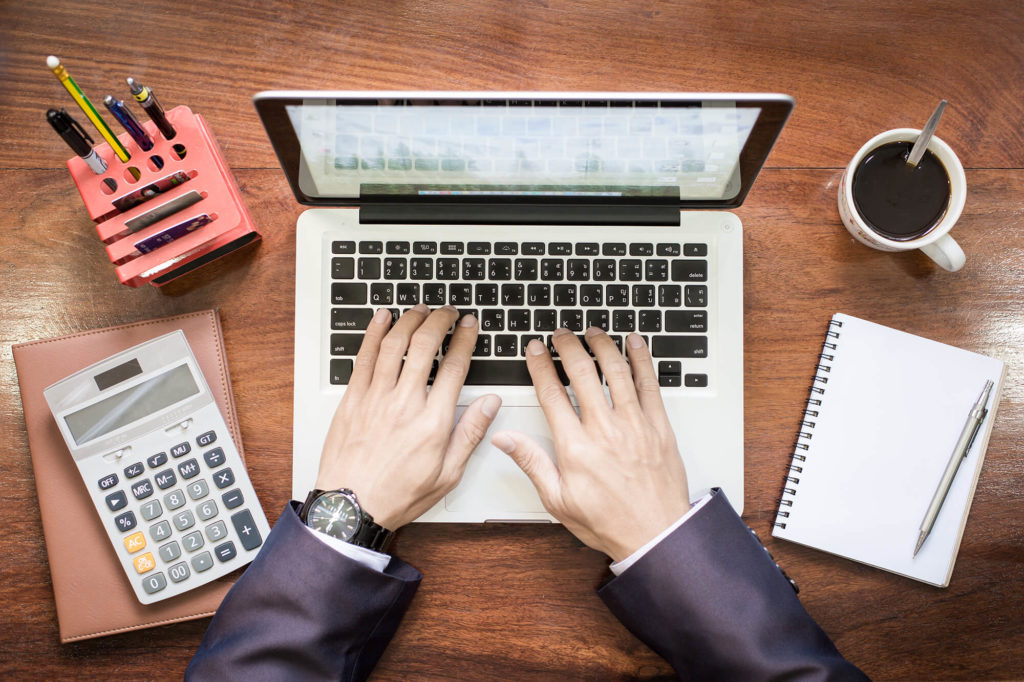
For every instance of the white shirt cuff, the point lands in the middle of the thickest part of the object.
(367, 557)
(619, 567)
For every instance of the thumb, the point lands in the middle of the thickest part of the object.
(470, 430)
(533, 460)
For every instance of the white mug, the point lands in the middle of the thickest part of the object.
(936, 243)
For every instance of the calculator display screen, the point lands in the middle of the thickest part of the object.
(133, 404)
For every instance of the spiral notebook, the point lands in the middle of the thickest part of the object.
(884, 413)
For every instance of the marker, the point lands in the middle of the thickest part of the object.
(148, 100)
(82, 101)
(72, 132)
(119, 111)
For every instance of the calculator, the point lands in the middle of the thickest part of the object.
(160, 466)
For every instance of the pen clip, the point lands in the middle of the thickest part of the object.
(974, 434)
(76, 125)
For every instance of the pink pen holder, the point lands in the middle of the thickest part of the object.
(169, 210)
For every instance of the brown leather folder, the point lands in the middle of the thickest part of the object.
(91, 590)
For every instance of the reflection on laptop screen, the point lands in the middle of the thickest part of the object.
(690, 151)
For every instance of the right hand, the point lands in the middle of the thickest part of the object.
(619, 480)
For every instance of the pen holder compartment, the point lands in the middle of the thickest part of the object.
(166, 211)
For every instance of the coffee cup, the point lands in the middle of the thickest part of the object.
(890, 206)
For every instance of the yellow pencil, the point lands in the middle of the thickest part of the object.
(82, 101)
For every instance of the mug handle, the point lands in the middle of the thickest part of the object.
(946, 252)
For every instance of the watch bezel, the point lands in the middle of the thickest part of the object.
(345, 494)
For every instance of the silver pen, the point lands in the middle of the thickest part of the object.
(963, 445)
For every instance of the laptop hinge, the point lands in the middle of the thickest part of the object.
(490, 213)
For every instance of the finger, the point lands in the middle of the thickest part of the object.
(579, 367)
(550, 392)
(423, 348)
(535, 463)
(615, 368)
(648, 392)
(366, 358)
(467, 434)
(452, 372)
(394, 345)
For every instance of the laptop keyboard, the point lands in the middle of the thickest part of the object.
(521, 291)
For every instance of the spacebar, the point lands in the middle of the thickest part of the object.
(504, 373)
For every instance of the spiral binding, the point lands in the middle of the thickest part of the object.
(819, 385)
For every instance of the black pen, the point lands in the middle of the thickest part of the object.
(147, 99)
(76, 137)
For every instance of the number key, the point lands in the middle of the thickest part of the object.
(207, 510)
(151, 510)
(193, 541)
(198, 489)
(174, 499)
(184, 520)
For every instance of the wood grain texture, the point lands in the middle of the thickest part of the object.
(518, 601)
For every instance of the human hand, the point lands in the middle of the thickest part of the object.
(619, 480)
(391, 441)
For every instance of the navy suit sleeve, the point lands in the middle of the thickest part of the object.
(710, 600)
(304, 611)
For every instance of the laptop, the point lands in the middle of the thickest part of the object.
(533, 211)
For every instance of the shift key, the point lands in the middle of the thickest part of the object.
(679, 346)
(346, 344)
(348, 293)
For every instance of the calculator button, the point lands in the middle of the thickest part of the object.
(151, 510)
(232, 498)
(181, 449)
(160, 531)
(165, 479)
(214, 458)
(179, 572)
(216, 531)
(125, 522)
(246, 529)
(142, 489)
(108, 482)
(224, 478)
(134, 470)
(193, 541)
(144, 562)
(183, 520)
(154, 583)
(207, 438)
(116, 500)
(174, 499)
(189, 469)
(207, 510)
(225, 552)
(134, 542)
(198, 490)
(159, 459)
(170, 551)
(202, 562)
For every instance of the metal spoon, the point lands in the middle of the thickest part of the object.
(921, 144)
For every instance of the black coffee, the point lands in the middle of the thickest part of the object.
(901, 202)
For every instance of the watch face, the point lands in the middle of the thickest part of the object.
(335, 515)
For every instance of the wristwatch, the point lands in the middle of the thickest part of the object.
(337, 513)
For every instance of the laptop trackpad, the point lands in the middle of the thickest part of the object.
(493, 485)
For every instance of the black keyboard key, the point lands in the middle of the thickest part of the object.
(533, 249)
(538, 295)
(424, 248)
(341, 371)
(474, 268)
(552, 269)
(479, 248)
(486, 294)
(572, 319)
(696, 296)
(498, 373)
(643, 295)
(433, 293)
(604, 270)
(460, 294)
(695, 380)
(698, 250)
(505, 346)
(693, 321)
(598, 318)
(346, 344)
(670, 380)
(591, 294)
(343, 247)
(680, 347)
(526, 269)
(588, 249)
(408, 294)
(350, 318)
(689, 270)
(475, 312)
(616, 295)
(452, 248)
(492, 320)
(624, 320)
(578, 270)
(656, 270)
(670, 295)
(499, 269)
(544, 320)
(560, 249)
(421, 268)
(649, 321)
(246, 529)
(483, 346)
(382, 294)
(506, 248)
(369, 268)
(348, 293)
(617, 338)
(613, 249)
(396, 268)
(518, 320)
(670, 367)
(448, 268)
(343, 268)
(631, 270)
(398, 248)
(565, 294)
(524, 341)
(371, 247)
(668, 250)
(512, 294)
(642, 249)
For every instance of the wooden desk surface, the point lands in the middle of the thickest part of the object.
(517, 601)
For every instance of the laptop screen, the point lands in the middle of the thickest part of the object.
(337, 148)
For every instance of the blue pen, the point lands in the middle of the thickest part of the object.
(130, 123)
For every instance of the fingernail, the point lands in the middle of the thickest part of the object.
(382, 316)
(503, 443)
(591, 331)
(535, 347)
(635, 341)
(560, 331)
(451, 308)
(490, 406)
(421, 308)
(467, 321)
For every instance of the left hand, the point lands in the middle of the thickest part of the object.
(392, 441)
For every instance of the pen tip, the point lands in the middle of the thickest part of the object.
(920, 541)
(52, 62)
